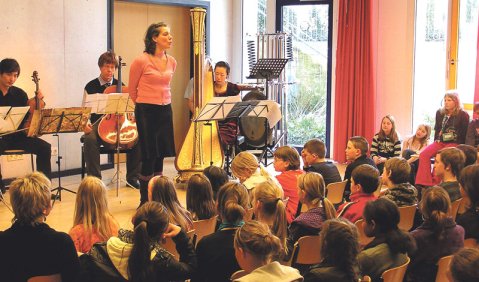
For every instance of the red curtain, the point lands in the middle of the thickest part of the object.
(355, 98)
(476, 91)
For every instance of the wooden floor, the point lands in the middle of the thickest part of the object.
(122, 206)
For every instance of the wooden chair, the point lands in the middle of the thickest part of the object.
(395, 274)
(204, 227)
(170, 245)
(406, 217)
(454, 208)
(335, 192)
(471, 243)
(306, 251)
(238, 274)
(363, 239)
(47, 278)
(442, 268)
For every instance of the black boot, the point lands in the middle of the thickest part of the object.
(143, 191)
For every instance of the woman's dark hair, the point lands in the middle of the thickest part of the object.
(217, 177)
(199, 197)
(435, 206)
(385, 215)
(469, 180)
(340, 246)
(465, 265)
(9, 65)
(232, 202)
(152, 31)
(150, 222)
(223, 64)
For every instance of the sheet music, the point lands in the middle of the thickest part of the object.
(112, 103)
(268, 109)
(11, 118)
(218, 108)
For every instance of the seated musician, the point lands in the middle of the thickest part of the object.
(228, 128)
(107, 64)
(16, 97)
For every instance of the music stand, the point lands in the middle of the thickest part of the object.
(10, 119)
(55, 121)
(116, 104)
(267, 69)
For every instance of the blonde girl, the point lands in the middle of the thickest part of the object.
(248, 170)
(92, 220)
(161, 189)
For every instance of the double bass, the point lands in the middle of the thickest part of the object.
(122, 124)
(201, 147)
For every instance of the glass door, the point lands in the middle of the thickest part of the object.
(308, 97)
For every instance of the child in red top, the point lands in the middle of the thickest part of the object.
(286, 161)
(364, 181)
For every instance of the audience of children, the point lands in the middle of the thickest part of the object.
(437, 237)
(286, 161)
(318, 209)
(356, 154)
(136, 256)
(386, 143)
(449, 131)
(270, 209)
(199, 197)
(395, 177)
(255, 247)
(92, 221)
(314, 160)
(161, 189)
(217, 177)
(464, 266)
(390, 247)
(364, 181)
(472, 135)
(339, 250)
(30, 247)
(447, 167)
(215, 252)
(469, 220)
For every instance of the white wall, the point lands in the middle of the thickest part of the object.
(59, 39)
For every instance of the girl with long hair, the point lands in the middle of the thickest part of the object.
(216, 255)
(469, 187)
(150, 89)
(437, 237)
(92, 221)
(386, 143)
(449, 130)
(390, 247)
(269, 208)
(161, 189)
(199, 197)
(311, 193)
(255, 247)
(339, 251)
(136, 255)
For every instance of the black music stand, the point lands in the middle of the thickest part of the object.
(116, 104)
(267, 69)
(55, 121)
(10, 120)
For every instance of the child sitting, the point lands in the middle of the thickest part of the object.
(356, 155)
(255, 246)
(286, 161)
(364, 181)
(313, 155)
(199, 198)
(386, 143)
(447, 167)
(395, 177)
